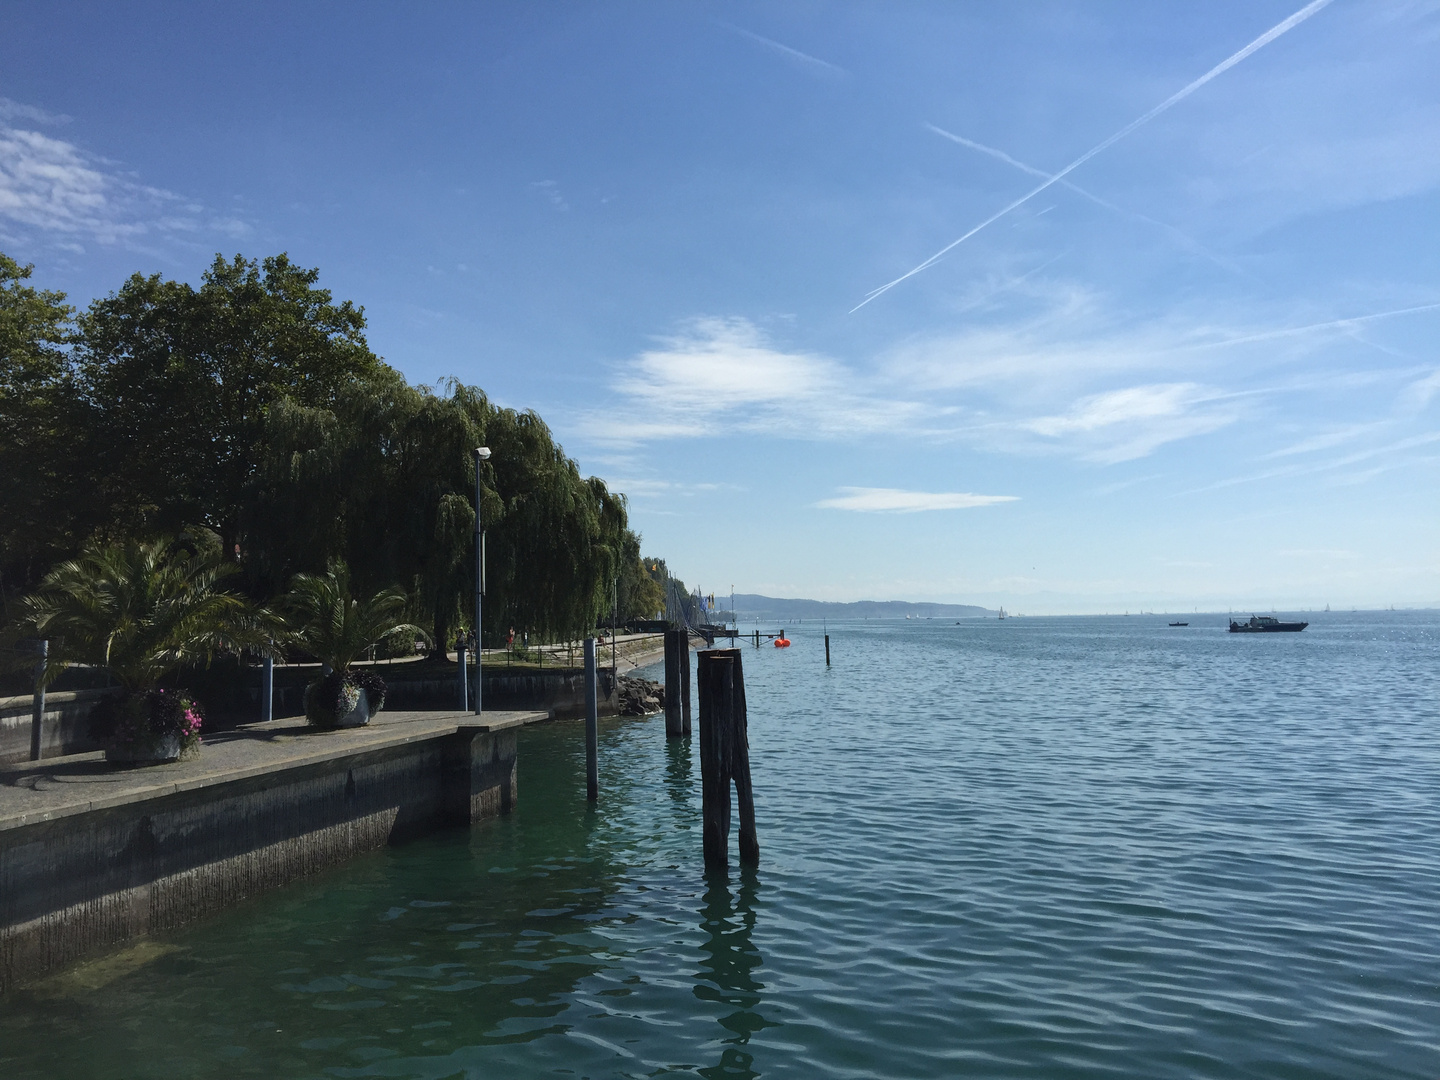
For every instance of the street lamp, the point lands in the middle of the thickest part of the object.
(482, 453)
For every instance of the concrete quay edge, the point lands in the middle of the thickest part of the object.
(261, 749)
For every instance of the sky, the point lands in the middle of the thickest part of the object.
(1070, 307)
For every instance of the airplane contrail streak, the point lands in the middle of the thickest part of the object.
(1187, 242)
(1175, 98)
(1292, 331)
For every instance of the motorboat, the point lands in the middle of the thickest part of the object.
(1266, 624)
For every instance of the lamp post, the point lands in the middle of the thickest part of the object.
(482, 453)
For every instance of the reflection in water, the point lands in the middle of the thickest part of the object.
(727, 971)
(679, 771)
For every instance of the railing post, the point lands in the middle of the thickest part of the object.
(37, 715)
(464, 682)
(267, 690)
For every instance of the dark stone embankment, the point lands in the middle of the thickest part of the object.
(92, 856)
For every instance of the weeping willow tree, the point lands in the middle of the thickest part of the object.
(385, 479)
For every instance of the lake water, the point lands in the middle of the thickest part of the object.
(1060, 847)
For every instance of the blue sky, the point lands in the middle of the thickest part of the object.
(1199, 370)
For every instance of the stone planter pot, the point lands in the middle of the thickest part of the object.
(157, 752)
(358, 716)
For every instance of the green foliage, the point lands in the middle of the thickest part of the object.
(140, 610)
(36, 451)
(251, 409)
(335, 627)
(177, 382)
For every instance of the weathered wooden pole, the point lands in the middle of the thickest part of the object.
(740, 769)
(827, 650)
(674, 718)
(724, 756)
(592, 725)
(37, 712)
(685, 682)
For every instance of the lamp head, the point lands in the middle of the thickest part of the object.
(482, 453)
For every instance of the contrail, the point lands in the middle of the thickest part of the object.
(770, 43)
(1187, 242)
(1175, 98)
(1292, 331)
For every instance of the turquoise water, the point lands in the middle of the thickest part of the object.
(1089, 847)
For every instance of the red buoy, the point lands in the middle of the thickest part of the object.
(782, 643)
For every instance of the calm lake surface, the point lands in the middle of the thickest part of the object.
(1060, 847)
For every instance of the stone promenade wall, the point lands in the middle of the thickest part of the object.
(91, 857)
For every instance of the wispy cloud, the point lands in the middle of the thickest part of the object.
(32, 114)
(551, 190)
(898, 501)
(1070, 379)
(54, 187)
(721, 375)
(1120, 425)
(1180, 95)
(1325, 440)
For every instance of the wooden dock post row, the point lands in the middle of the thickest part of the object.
(724, 756)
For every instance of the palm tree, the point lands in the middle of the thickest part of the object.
(140, 609)
(336, 627)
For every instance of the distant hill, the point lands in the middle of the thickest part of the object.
(753, 606)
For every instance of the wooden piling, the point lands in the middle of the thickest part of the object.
(827, 650)
(685, 682)
(592, 724)
(724, 756)
(674, 717)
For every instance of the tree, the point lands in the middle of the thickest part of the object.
(177, 382)
(36, 466)
(140, 610)
(333, 625)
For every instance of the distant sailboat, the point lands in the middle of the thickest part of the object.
(1002, 613)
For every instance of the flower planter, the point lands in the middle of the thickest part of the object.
(149, 727)
(155, 752)
(360, 715)
(345, 706)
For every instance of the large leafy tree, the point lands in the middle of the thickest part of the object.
(177, 382)
(38, 492)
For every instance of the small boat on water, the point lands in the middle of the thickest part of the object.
(1179, 624)
(1266, 624)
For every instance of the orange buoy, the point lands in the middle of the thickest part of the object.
(782, 643)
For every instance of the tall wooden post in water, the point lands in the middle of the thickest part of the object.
(724, 756)
(677, 655)
(592, 725)
(685, 682)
